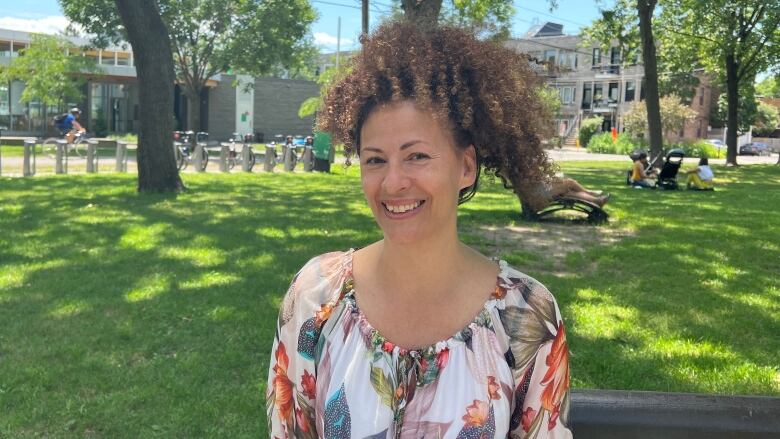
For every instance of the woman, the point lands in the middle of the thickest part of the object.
(417, 335)
(701, 177)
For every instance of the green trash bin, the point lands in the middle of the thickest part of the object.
(323, 152)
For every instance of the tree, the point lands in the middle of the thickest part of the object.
(767, 119)
(734, 38)
(769, 87)
(52, 70)
(491, 16)
(620, 23)
(154, 63)
(212, 36)
(674, 114)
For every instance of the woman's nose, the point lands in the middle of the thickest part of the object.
(395, 179)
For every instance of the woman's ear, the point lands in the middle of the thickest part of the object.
(469, 176)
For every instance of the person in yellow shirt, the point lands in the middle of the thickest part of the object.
(639, 176)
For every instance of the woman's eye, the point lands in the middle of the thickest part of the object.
(374, 160)
(419, 156)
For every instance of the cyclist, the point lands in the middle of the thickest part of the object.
(70, 125)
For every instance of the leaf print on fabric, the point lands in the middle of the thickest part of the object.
(539, 299)
(338, 424)
(283, 387)
(526, 332)
(480, 422)
(529, 415)
(520, 392)
(307, 338)
(304, 420)
(383, 386)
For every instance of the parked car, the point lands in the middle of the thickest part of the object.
(717, 143)
(754, 148)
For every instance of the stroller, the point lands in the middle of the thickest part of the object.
(667, 178)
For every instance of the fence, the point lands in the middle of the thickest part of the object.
(28, 158)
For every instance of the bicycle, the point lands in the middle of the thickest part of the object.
(184, 142)
(79, 146)
(235, 157)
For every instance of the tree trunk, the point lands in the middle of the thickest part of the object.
(194, 97)
(654, 128)
(732, 122)
(148, 36)
(424, 13)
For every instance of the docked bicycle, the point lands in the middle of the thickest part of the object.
(235, 157)
(185, 143)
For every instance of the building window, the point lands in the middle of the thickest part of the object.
(123, 58)
(596, 56)
(566, 95)
(549, 56)
(107, 58)
(5, 49)
(17, 49)
(587, 95)
(630, 90)
(614, 95)
(614, 56)
(5, 102)
(567, 58)
(598, 93)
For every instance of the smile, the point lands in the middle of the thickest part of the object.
(403, 208)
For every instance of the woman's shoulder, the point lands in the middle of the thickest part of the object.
(520, 290)
(317, 283)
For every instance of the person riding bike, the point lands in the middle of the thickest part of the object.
(69, 126)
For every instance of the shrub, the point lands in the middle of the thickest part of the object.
(624, 144)
(588, 128)
(697, 148)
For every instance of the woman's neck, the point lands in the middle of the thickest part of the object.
(421, 266)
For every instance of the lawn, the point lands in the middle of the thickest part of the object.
(126, 315)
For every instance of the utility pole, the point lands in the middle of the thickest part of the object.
(365, 17)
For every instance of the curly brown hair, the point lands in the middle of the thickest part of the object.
(488, 94)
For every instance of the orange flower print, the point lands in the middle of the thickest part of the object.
(476, 414)
(528, 418)
(493, 388)
(498, 293)
(556, 380)
(322, 314)
(309, 384)
(283, 387)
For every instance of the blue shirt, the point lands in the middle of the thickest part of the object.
(67, 123)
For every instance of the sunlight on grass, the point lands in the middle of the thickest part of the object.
(148, 288)
(69, 308)
(198, 255)
(210, 279)
(143, 238)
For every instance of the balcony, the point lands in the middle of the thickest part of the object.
(606, 71)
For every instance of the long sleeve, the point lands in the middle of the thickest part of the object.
(292, 382)
(540, 362)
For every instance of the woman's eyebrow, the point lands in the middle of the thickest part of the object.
(403, 147)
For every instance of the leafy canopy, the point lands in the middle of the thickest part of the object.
(674, 114)
(50, 72)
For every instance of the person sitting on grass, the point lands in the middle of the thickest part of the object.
(563, 187)
(701, 177)
(640, 177)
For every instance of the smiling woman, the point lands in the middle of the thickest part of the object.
(418, 335)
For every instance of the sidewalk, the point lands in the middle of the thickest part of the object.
(568, 153)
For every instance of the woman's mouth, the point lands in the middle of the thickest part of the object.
(398, 209)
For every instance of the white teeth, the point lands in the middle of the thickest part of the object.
(403, 208)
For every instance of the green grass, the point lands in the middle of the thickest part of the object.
(126, 315)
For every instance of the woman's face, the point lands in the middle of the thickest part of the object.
(412, 172)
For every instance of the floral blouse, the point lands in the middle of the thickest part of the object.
(332, 375)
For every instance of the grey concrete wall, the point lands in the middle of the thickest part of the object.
(276, 106)
(222, 109)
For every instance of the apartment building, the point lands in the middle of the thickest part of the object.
(111, 98)
(593, 82)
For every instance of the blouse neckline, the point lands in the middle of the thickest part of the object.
(377, 342)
